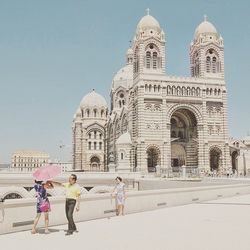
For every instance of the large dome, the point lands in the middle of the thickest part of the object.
(123, 78)
(148, 22)
(205, 28)
(93, 99)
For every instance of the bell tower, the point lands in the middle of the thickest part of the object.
(207, 52)
(149, 47)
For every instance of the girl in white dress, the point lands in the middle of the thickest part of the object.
(120, 196)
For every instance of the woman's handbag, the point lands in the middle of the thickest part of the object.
(44, 206)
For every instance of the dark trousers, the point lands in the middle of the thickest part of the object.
(69, 209)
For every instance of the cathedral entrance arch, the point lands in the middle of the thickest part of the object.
(95, 163)
(184, 138)
(153, 158)
(215, 158)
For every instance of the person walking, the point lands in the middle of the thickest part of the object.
(120, 195)
(73, 193)
(42, 204)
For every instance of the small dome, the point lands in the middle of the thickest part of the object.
(93, 99)
(246, 140)
(124, 139)
(205, 28)
(148, 22)
(123, 78)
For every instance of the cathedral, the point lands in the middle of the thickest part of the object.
(156, 119)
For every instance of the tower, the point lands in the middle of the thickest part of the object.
(88, 132)
(149, 47)
(207, 52)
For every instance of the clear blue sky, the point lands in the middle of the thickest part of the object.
(53, 52)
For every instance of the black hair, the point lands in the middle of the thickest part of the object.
(119, 178)
(74, 177)
(38, 182)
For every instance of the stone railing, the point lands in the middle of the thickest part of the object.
(18, 214)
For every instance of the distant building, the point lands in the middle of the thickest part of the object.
(240, 155)
(27, 160)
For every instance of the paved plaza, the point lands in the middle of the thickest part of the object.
(214, 225)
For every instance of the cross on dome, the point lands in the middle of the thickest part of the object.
(205, 17)
(147, 10)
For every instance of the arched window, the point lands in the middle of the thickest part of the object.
(94, 134)
(148, 59)
(214, 62)
(208, 64)
(198, 91)
(169, 90)
(87, 112)
(121, 98)
(95, 112)
(94, 145)
(122, 156)
(154, 60)
(89, 145)
(152, 57)
(100, 145)
(136, 60)
(196, 65)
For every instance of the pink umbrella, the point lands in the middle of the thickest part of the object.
(47, 172)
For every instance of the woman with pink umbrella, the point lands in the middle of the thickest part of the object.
(43, 176)
(42, 204)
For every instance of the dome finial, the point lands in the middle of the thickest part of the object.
(147, 10)
(205, 18)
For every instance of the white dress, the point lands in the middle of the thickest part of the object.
(119, 191)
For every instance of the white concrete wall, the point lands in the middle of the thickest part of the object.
(94, 206)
